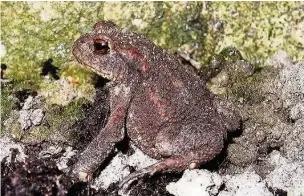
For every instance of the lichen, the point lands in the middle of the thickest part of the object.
(35, 31)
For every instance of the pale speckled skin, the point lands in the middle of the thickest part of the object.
(164, 106)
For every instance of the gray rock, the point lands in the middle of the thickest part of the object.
(6, 146)
(32, 102)
(36, 116)
(196, 183)
(233, 72)
(28, 103)
(118, 167)
(25, 119)
(63, 160)
(30, 114)
(292, 85)
(51, 150)
(248, 183)
(293, 147)
(280, 59)
(242, 155)
(287, 175)
(297, 111)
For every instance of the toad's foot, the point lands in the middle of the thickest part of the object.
(176, 164)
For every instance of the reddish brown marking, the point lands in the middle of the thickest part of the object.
(145, 67)
(133, 52)
(117, 116)
(136, 55)
(158, 103)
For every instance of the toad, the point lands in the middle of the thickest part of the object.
(162, 105)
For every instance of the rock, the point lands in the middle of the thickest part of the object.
(287, 175)
(24, 119)
(293, 146)
(247, 183)
(196, 183)
(114, 172)
(232, 72)
(297, 111)
(292, 81)
(6, 146)
(28, 103)
(51, 150)
(119, 168)
(221, 80)
(62, 161)
(242, 155)
(280, 59)
(36, 116)
(30, 114)
(67, 155)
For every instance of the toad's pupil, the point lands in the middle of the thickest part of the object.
(101, 46)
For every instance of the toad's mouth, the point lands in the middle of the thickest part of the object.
(103, 73)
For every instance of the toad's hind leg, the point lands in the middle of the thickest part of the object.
(180, 163)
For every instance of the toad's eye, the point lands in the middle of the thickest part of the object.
(101, 46)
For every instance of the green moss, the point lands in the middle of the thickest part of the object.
(230, 53)
(247, 90)
(203, 29)
(56, 124)
(70, 113)
(6, 105)
(250, 90)
(32, 32)
(259, 29)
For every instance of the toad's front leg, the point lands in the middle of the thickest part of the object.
(113, 132)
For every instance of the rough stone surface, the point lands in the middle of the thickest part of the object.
(31, 114)
(24, 119)
(297, 111)
(62, 162)
(241, 155)
(280, 59)
(287, 175)
(51, 150)
(7, 145)
(37, 116)
(196, 183)
(119, 167)
(248, 183)
(292, 79)
(293, 147)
